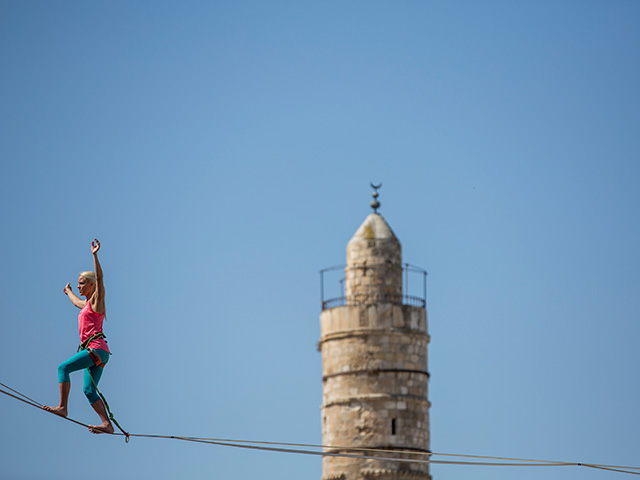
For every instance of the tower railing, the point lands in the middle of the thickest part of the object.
(408, 296)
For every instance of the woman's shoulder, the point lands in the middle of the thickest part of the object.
(92, 308)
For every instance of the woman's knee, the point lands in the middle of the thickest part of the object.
(91, 394)
(63, 373)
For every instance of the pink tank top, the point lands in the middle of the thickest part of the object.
(90, 323)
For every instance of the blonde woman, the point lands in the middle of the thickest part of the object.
(93, 352)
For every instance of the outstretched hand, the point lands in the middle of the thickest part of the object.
(95, 246)
(67, 289)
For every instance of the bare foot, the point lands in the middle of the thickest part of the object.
(104, 428)
(62, 411)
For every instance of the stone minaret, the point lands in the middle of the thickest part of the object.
(374, 363)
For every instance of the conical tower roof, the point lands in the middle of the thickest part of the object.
(374, 227)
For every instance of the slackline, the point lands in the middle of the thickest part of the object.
(408, 456)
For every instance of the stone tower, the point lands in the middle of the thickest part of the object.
(374, 362)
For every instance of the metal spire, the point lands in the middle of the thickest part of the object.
(375, 204)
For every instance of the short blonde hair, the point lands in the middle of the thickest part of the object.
(89, 275)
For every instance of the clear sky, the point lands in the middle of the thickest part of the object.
(222, 153)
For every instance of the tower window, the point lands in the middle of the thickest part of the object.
(393, 426)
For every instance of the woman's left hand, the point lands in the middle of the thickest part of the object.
(95, 246)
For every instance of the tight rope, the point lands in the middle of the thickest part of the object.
(33, 403)
(336, 451)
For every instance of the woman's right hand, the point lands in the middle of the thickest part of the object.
(67, 289)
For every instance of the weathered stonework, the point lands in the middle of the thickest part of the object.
(374, 364)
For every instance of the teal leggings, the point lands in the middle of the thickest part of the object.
(82, 360)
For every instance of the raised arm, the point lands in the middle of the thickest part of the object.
(77, 301)
(97, 299)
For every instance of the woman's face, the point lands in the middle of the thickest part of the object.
(85, 286)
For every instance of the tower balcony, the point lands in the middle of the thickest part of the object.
(414, 287)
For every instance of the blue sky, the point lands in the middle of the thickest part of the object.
(222, 153)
